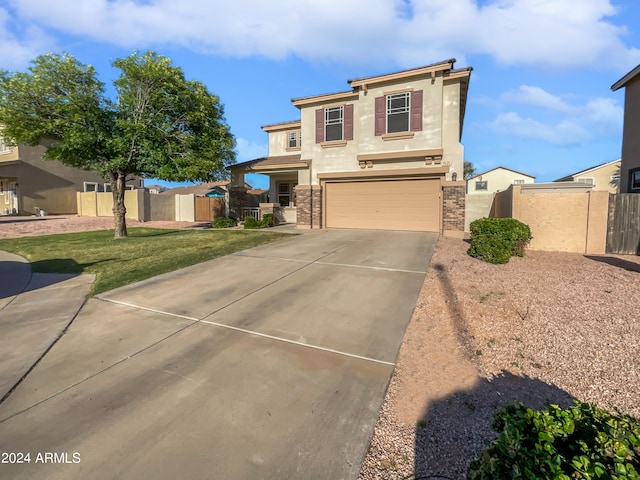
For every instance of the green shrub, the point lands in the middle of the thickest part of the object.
(224, 222)
(269, 220)
(495, 240)
(252, 223)
(582, 441)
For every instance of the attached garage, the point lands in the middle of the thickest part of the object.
(383, 203)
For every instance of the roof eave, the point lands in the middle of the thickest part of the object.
(626, 79)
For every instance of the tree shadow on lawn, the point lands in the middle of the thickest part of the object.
(455, 429)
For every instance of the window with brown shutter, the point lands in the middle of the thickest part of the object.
(398, 112)
(334, 124)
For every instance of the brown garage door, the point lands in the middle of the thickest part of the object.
(384, 204)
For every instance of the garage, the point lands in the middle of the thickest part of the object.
(389, 204)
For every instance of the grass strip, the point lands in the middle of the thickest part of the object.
(147, 252)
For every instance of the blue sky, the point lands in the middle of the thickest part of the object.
(539, 98)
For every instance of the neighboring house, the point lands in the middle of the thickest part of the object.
(630, 161)
(496, 180)
(482, 187)
(603, 177)
(29, 184)
(385, 154)
(155, 189)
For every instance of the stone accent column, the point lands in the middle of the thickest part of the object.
(274, 208)
(237, 201)
(309, 206)
(453, 206)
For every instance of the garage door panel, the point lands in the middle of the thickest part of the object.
(384, 204)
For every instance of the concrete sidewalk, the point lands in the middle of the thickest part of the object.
(34, 311)
(277, 372)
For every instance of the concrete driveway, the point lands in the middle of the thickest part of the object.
(271, 363)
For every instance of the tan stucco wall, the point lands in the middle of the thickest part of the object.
(440, 111)
(8, 155)
(565, 222)
(279, 143)
(602, 177)
(185, 208)
(100, 204)
(46, 184)
(497, 181)
(631, 133)
(477, 206)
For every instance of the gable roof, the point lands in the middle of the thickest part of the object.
(626, 79)
(200, 189)
(503, 168)
(272, 163)
(586, 170)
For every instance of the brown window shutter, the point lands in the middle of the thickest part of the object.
(320, 125)
(381, 112)
(348, 122)
(416, 111)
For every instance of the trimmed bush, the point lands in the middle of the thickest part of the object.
(582, 441)
(269, 220)
(224, 222)
(496, 240)
(252, 223)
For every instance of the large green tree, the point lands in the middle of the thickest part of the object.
(158, 124)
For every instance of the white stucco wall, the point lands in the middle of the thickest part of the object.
(497, 180)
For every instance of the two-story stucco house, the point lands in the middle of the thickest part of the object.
(385, 154)
(630, 161)
(29, 184)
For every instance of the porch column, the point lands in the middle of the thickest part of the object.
(453, 208)
(309, 206)
(237, 201)
(274, 208)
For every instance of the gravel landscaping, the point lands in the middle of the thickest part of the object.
(546, 328)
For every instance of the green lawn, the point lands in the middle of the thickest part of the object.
(146, 253)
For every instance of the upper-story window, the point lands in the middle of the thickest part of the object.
(481, 185)
(398, 106)
(334, 124)
(4, 148)
(398, 113)
(293, 139)
(634, 180)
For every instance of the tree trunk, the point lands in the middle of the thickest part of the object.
(118, 182)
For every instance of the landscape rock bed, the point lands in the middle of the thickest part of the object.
(546, 328)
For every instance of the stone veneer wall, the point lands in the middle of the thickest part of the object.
(453, 206)
(309, 206)
(237, 201)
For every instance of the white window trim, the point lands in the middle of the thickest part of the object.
(328, 121)
(297, 145)
(3, 147)
(406, 109)
(518, 182)
(85, 184)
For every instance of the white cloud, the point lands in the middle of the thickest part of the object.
(597, 118)
(16, 52)
(248, 150)
(514, 32)
(564, 132)
(538, 97)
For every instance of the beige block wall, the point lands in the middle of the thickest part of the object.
(100, 204)
(631, 133)
(185, 208)
(477, 206)
(565, 222)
